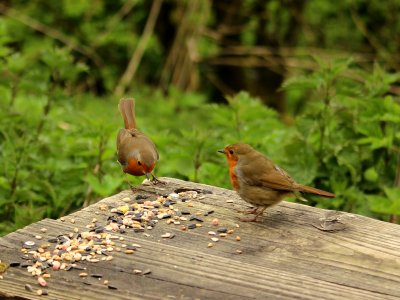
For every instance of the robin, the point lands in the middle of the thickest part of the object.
(137, 154)
(259, 181)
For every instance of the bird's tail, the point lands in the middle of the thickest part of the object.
(311, 190)
(127, 109)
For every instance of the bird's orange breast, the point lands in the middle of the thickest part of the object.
(133, 168)
(232, 174)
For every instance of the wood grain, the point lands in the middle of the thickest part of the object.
(297, 252)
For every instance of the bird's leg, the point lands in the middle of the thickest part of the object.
(131, 186)
(258, 213)
(155, 180)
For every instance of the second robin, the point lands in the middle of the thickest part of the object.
(137, 153)
(259, 181)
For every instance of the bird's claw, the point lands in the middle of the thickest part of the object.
(253, 219)
(258, 213)
(156, 181)
(248, 211)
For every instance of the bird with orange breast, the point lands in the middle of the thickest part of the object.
(259, 181)
(137, 154)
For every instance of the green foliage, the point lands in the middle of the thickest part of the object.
(351, 133)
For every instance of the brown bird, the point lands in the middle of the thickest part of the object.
(137, 154)
(259, 181)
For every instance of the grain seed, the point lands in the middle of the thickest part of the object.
(28, 287)
(41, 281)
(191, 226)
(215, 222)
(146, 271)
(238, 238)
(29, 243)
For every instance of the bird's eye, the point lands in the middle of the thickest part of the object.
(231, 151)
(139, 163)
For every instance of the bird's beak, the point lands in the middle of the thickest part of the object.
(221, 151)
(147, 175)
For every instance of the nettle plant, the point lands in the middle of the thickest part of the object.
(349, 137)
(36, 149)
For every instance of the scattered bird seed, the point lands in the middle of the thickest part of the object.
(62, 219)
(211, 233)
(222, 230)
(214, 239)
(223, 234)
(83, 274)
(210, 245)
(28, 287)
(215, 222)
(29, 243)
(129, 251)
(41, 281)
(191, 226)
(196, 218)
(39, 292)
(26, 264)
(15, 264)
(229, 201)
(136, 271)
(146, 272)
(238, 238)
(238, 251)
(43, 230)
(73, 221)
(96, 275)
(112, 287)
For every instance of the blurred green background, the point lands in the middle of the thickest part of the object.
(313, 84)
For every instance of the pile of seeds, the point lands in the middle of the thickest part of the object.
(97, 242)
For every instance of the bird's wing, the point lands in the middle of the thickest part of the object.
(266, 174)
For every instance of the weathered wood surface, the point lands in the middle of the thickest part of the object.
(290, 255)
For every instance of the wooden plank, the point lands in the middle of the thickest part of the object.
(290, 255)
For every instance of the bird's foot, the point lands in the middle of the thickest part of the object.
(258, 213)
(253, 219)
(248, 211)
(156, 181)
